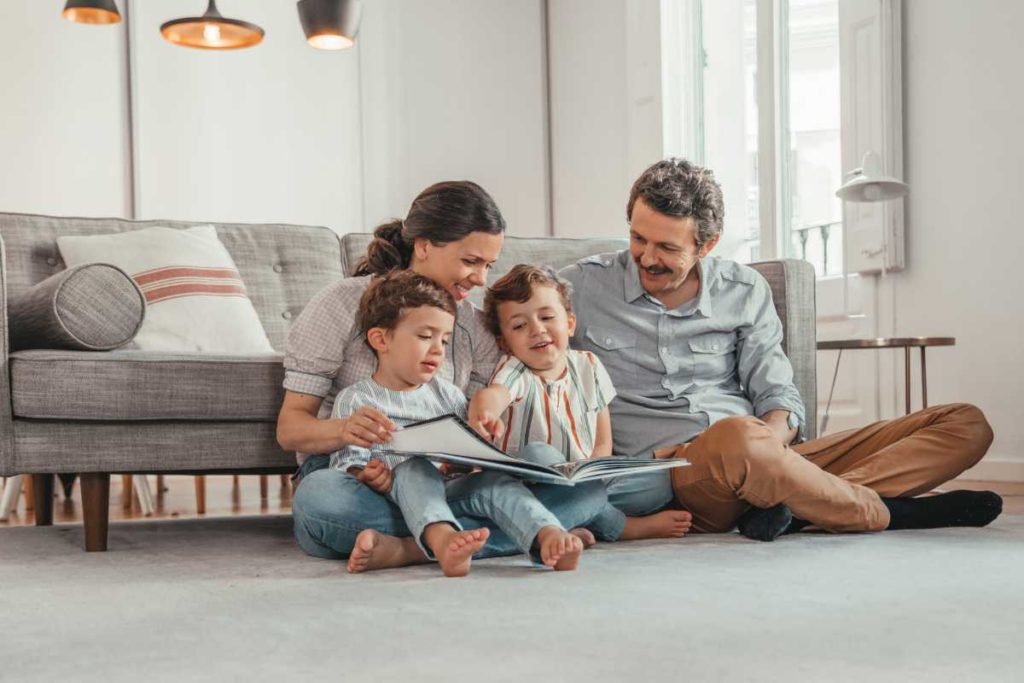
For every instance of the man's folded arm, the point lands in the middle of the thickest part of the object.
(764, 370)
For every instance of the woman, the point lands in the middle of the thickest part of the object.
(452, 234)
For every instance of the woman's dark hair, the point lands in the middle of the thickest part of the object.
(388, 298)
(444, 212)
(675, 187)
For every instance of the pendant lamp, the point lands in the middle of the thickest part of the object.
(330, 24)
(212, 31)
(91, 12)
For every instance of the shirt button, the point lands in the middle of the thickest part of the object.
(664, 349)
(608, 340)
(714, 347)
(278, 268)
(287, 315)
(51, 261)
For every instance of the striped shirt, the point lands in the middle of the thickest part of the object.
(562, 412)
(433, 399)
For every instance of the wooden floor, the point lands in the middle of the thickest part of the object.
(225, 498)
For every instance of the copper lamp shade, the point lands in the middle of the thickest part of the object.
(330, 24)
(212, 31)
(91, 12)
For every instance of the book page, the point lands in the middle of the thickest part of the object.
(448, 434)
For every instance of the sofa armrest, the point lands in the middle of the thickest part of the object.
(6, 424)
(793, 286)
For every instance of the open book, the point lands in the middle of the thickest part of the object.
(449, 439)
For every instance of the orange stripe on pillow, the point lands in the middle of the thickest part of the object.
(150, 276)
(195, 289)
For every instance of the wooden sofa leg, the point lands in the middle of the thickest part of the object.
(201, 494)
(95, 509)
(127, 491)
(42, 493)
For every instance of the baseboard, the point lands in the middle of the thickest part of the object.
(995, 469)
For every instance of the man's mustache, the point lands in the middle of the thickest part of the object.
(653, 270)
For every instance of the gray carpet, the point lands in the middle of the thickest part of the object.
(234, 599)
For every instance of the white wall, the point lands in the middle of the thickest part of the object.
(446, 89)
(63, 112)
(605, 109)
(270, 133)
(454, 90)
(965, 235)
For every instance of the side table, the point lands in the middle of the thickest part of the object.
(905, 343)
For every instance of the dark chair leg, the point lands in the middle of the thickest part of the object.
(95, 509)
(42, 492)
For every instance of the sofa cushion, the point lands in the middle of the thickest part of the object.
(145, 385)
(95, 306)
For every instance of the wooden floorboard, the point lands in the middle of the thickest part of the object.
(224, 499)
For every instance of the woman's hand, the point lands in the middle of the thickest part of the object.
(376, 475)
(366, 427)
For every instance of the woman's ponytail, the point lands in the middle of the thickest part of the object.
(386, 252)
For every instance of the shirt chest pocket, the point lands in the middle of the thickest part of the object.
(714, 357)
(617, 351)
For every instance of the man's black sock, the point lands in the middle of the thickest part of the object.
(796, 525)
(956, 508)
(765, 524)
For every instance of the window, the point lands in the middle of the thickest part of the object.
(773, 142)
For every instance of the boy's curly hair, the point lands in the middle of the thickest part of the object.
(517, 285)
(388, 298)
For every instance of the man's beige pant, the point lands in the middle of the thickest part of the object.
(834, 482)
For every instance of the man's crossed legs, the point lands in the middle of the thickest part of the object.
(858, 480)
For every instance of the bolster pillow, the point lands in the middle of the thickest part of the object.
(92, 307)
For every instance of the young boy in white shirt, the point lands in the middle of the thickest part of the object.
(407, 320)
(548, 403)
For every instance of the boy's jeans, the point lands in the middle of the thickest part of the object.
(331, 507)
(637, 494)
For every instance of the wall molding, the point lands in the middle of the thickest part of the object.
(996, 469)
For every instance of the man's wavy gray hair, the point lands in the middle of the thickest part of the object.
(675, 187)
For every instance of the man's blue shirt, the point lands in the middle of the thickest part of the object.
(678, 371)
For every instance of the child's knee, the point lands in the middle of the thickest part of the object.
(540, 453)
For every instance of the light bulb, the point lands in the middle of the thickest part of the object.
(211, 33)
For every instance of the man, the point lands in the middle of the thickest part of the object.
(693, 345)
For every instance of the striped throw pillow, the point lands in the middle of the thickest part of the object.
(195, 298)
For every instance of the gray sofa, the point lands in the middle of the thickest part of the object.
(129, 411)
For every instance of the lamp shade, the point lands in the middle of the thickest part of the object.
(867, 184)
(212, 31)
(330, 24)
(91, 12)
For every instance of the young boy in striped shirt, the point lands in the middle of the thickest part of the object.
(548, 403)
(407, 320)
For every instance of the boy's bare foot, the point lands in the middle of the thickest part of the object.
(584, 535)
(374, 550)
(559, 549)
(455, 552)
(665, 524)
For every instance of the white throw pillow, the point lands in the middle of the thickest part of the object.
(195, 298)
